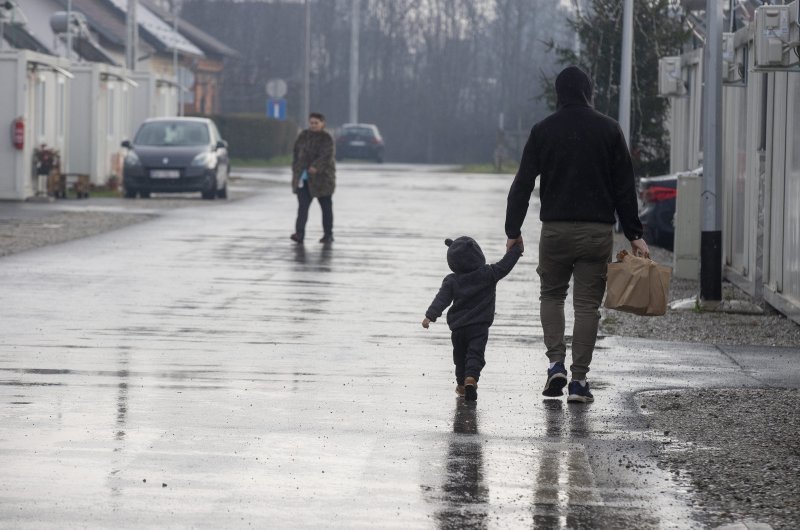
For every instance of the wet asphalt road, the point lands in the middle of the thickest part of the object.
(202, 370)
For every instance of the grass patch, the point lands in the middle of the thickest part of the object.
(507, 168)
(277, 161)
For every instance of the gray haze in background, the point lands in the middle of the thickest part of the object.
(435, 74)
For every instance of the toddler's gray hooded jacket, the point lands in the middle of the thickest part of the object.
(471, 287)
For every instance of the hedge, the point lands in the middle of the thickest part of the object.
(253, 136)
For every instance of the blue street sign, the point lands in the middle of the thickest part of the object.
(276, 108)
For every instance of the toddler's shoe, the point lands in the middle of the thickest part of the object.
(460, 389)
(556, 380)
(470, 389)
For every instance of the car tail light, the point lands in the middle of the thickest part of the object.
(659, 194)
(375, 141)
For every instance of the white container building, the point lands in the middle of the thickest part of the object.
(35, 90)
(104, 95)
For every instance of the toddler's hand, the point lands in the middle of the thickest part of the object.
(426, 322)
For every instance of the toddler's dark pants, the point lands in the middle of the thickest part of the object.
(469, 346)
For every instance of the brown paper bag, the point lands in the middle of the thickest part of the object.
(637, 285)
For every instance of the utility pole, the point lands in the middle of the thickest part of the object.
(69, 30)
(711, 198)
(354, 35)
(176, 8)
(131, 34)
(306, 65)
(3, 8)
(625, 73)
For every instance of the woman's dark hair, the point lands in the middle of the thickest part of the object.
(317, 115)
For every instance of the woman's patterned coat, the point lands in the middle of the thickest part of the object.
(315, 149)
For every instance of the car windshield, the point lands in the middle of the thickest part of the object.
(163, 133)
(361, 132)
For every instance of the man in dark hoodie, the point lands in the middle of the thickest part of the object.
(471, 289)
(586, 176)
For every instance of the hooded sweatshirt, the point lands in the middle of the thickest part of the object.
(584, 163)
(471, 287)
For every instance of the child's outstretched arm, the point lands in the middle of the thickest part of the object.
(443, 299)
(504, 266)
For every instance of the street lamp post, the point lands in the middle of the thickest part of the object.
(306, 63)
(131, 35)
(69, 29)
(625, 73)
(354, 34)
(176, 10)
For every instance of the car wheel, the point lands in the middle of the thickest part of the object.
(144, 194)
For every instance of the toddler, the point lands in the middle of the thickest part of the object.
(471, 289)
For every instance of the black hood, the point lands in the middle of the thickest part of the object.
(574, 87)
(464, 254)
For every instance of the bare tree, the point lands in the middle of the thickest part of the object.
(435, 74)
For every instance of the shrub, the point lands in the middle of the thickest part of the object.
(254, 136)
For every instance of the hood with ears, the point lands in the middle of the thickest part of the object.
(464, 255)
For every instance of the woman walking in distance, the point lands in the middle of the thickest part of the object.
(314, 176)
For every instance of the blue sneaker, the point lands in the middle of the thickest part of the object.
(579, 393)
(556, 380)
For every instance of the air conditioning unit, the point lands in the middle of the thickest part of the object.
(670, 80)
(772, 37)
(732, 69)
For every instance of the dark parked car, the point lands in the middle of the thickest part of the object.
(657, 213)
(176, 155)
(359, 140)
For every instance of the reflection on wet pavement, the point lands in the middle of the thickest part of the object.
(204, 370)
(464, 495)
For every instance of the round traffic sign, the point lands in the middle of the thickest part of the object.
(276, 88)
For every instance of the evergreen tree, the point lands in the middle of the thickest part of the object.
(658, 32)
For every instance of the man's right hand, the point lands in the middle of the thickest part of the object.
(639, 248)
(518, 241)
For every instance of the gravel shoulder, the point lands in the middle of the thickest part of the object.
(27, 226)
(736, 450)
(19, 235)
